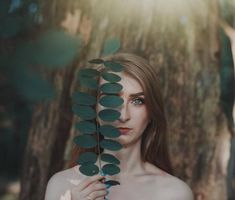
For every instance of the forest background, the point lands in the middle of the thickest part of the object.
(43, 44)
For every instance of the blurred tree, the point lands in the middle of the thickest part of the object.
(182, 42)
(228, 93)
(31, 53)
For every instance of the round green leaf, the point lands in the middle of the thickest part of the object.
(111, 46)
(111, 101)
(109, 131)
(96, 61)
(86, 127)
(84, 98)
(113, 66)
(111, 182)
(88, 82)
(85, 141)
(87, 157)
(30, 84)
(109, 158)
(111, 77)
(89, 169)
(55, 49)
(111, 88)
(110, 169)
(84, 112)
(88, 73)
(110, 145)
(109, 115)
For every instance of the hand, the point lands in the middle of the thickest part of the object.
(90, 189)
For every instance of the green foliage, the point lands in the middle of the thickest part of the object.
(84, 98)
(109, 131)
(86, 127)
(111, 46)
(53, 49)
(109, 158)
(109, 115)
(116, 67)
(84, 112)
(84, 107)
(89, 83)
(30, 84)
(111, 101)
(87, 157)
(85, 141)
(111, 88)
(111, 145)
(110, 169)
(88, 73)
(16, 21)
(111, 182)
(89, 169)
(111, 77)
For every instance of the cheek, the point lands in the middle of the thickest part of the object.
(141, 118)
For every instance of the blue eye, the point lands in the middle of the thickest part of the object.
(138, 101)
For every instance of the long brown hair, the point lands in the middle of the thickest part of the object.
(154, 144)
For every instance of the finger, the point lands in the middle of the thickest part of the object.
(100, 198)
(93, 187)
(98, 194)
(89, 180)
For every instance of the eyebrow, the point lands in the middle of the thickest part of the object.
(137, 94)
(131, 95)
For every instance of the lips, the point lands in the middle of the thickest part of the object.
(124, 130)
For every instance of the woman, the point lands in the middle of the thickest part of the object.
(145, 166)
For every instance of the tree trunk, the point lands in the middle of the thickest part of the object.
(182, 49)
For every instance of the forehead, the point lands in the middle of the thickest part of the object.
(129, 83)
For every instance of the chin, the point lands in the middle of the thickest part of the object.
(126, 141)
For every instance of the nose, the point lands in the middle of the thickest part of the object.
(125, 113)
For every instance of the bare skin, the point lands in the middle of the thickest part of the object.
(139, 180)
(71, 185)
(152, 184)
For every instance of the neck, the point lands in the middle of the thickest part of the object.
(130, 158)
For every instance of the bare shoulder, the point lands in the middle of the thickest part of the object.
(170, 187)
(61, 177)
(60, 184)
(178, 189)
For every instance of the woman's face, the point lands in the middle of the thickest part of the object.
(134, 117)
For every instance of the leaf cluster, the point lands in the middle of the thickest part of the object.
(92, 134)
